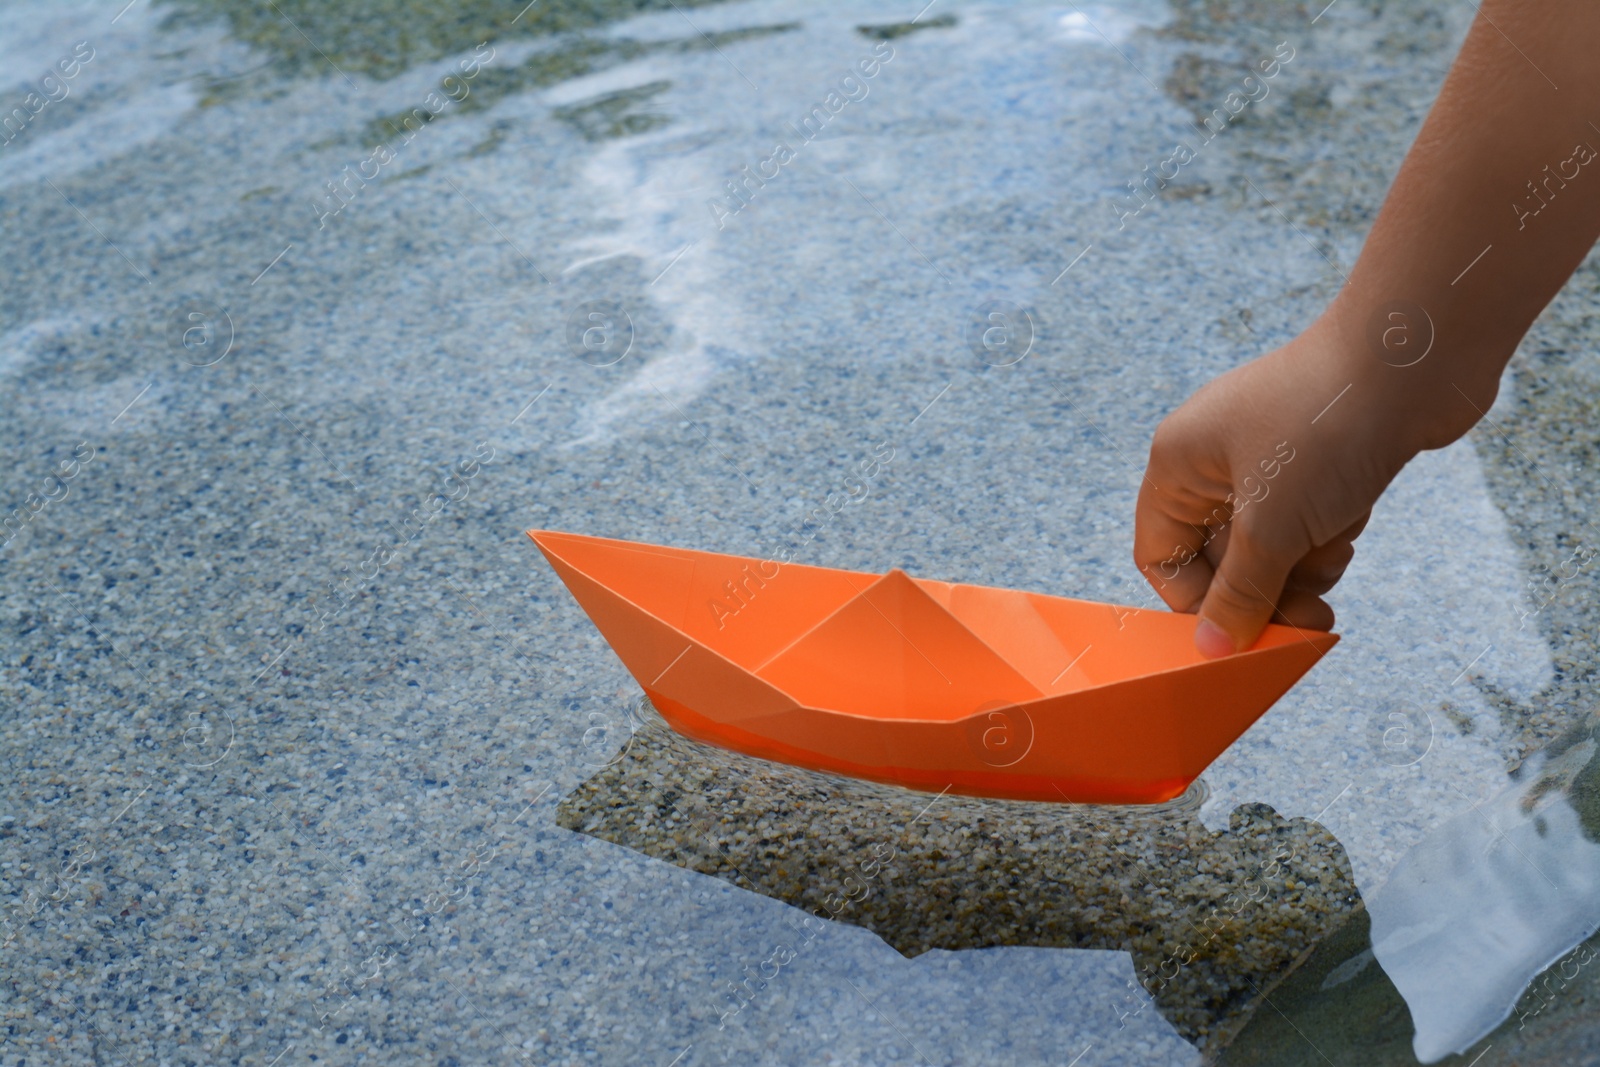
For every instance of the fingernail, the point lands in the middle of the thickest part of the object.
(1212, 640)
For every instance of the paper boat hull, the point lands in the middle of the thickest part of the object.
(924, 684)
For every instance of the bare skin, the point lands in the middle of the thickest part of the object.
(1208, 535)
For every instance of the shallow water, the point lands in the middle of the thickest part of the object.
(301, 766)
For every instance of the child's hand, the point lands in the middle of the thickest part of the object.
(1496, 204)
(1255, 493)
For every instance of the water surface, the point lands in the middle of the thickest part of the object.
(303, 762)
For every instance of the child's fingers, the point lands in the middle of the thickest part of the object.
(1303, 611)
(1321, 569)
(1244, 591)
(1168, 553)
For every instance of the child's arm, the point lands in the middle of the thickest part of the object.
(1494, 207)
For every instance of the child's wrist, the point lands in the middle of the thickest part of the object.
(1420, 379)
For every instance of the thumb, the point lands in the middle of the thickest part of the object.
(1243, 594)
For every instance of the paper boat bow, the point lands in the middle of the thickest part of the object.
(927, 684)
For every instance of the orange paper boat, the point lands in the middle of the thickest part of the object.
(932, 685)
